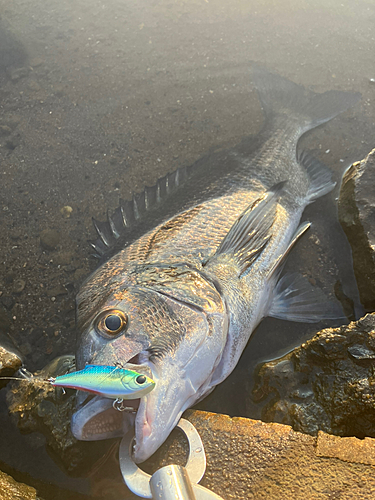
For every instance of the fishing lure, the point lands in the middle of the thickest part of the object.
(110, 382)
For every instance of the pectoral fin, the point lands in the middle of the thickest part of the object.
(251, 232)
(296, 299)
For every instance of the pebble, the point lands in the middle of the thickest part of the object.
(66, 211)
(35, 62)
(63, 258)
(49, 239)
(7, 301)
(16, 74)
(18, 286)
(33, 85)
(56, 291)
(5, 322)
(5, 130)
(13, 142)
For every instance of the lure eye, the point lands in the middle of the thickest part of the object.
(141, 379)
(111, 323)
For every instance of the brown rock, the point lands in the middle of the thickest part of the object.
(349, 449)
(11, 490)
(9, 364)
(357, 214)
(249, 459)
(49, 239)
(326, 384)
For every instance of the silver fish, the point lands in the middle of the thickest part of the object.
(180, 301)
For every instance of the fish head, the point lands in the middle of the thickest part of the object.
(169, 323)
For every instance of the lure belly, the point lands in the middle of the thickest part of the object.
(107, 381)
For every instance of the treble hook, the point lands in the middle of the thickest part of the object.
(118, 404)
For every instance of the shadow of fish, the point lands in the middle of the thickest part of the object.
(188, 293)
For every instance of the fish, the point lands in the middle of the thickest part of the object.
(106, 381)
(189, 290)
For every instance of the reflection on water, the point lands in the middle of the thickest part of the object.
(98, 99)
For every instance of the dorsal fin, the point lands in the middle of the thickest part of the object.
(250, 234)
(130, 212)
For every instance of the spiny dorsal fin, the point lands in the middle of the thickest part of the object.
(250, 234)
(130, 212)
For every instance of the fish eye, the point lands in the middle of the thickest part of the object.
(111, 322)
(141, 379)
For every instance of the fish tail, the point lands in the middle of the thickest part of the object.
(293, 110)
(281, 96)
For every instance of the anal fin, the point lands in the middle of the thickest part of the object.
(296, 299)
(320, 176)
(279, 263)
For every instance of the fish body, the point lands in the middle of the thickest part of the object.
(189, 292)
(107, 381)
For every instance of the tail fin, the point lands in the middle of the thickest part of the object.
(278, 95)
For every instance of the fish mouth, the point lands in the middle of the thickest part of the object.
(97, 418)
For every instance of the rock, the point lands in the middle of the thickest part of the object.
(248, 459)
(357, 214)
(36, 62)
(37, 406)
(12, 490)
(9, 364)
(56, 291)
(7, 301)
(5, 130)
(13, 142)
(5, 322)
(326, 384)
(66, 211)
(18, 286)
(49, 239)
(63, 258)
(18, 73)
(33, 85)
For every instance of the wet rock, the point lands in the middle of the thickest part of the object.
(66, 211)
(7, 301)
(357, 214)
(326, 384)
(63, 258)
(9, 364)
(49, 239)
(11, 50)
(5, 130)
(37, 406)
(12, 490)
(56, 291)
(13, 142)
(5, 321)
(33, 85)
(18, 286)
(36, 62)
(249, 459)
(18, 73)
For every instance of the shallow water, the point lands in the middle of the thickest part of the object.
(115, 94)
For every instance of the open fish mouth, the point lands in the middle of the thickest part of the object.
(97, 418)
